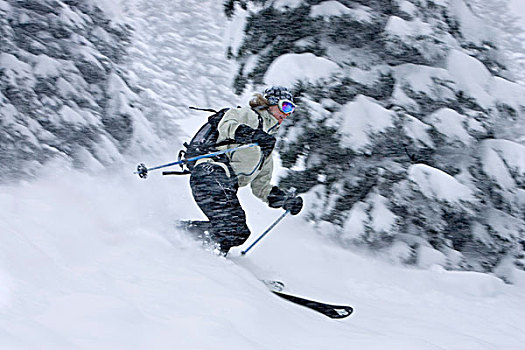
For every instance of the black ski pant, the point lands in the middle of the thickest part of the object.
(216, 195)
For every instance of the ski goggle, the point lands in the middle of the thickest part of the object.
(286, 106)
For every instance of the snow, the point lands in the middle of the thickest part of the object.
(516, 8)
(400, 98)
(383, 218)
(69, 115)
(401, 28)
(354, 225)
(14, 69)
(360, 119)
(399, 252)
(112, 8)
(284, 4)
(185, 66)
(418, 131)
(450, 123)
(471, 76)
(327, 9)
(472, 27)
(101, 266)
(319, 111)
(509, 93)
(434, 183)
(430, 257)
(95, 262)
(289, 68)
(235, 30)
(71, 18)
(504, 225)
(65, 88)
(512, 153)
(408, 8)
(503, 161)
(4, 6)
(9, 113)
(423, 79)
(46, 66)
(462, 73)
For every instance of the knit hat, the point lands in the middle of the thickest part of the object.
(276, 93)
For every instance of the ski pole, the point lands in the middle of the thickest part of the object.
(291, 193)
(265, 232)
(142, 170)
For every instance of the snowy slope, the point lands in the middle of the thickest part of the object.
(100, 266)
(94, 262)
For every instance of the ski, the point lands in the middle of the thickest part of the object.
(332, 311)
(200, 231)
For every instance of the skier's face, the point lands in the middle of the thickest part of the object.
(278, 114)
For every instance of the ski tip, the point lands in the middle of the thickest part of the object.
(341, 312)
(273, 285)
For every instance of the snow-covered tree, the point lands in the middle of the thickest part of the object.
(408, 131)
(63, 91)
(499, 15)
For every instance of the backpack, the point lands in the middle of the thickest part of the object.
(205, 140)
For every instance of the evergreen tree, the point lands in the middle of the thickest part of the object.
(62, 89)
(405, 147)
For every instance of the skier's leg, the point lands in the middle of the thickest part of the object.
(216, 195)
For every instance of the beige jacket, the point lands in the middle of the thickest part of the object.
(246, 163)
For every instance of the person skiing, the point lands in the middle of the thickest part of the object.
(215, 181)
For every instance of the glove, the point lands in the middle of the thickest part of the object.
(294, 205)
(244, 134)
(278, 198)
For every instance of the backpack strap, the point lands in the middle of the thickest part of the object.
(225, 143)
(261, 121)
(232, 141)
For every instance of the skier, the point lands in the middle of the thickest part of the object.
(214, 181)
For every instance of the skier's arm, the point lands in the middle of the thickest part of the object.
(260, 185)
(232, 120)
